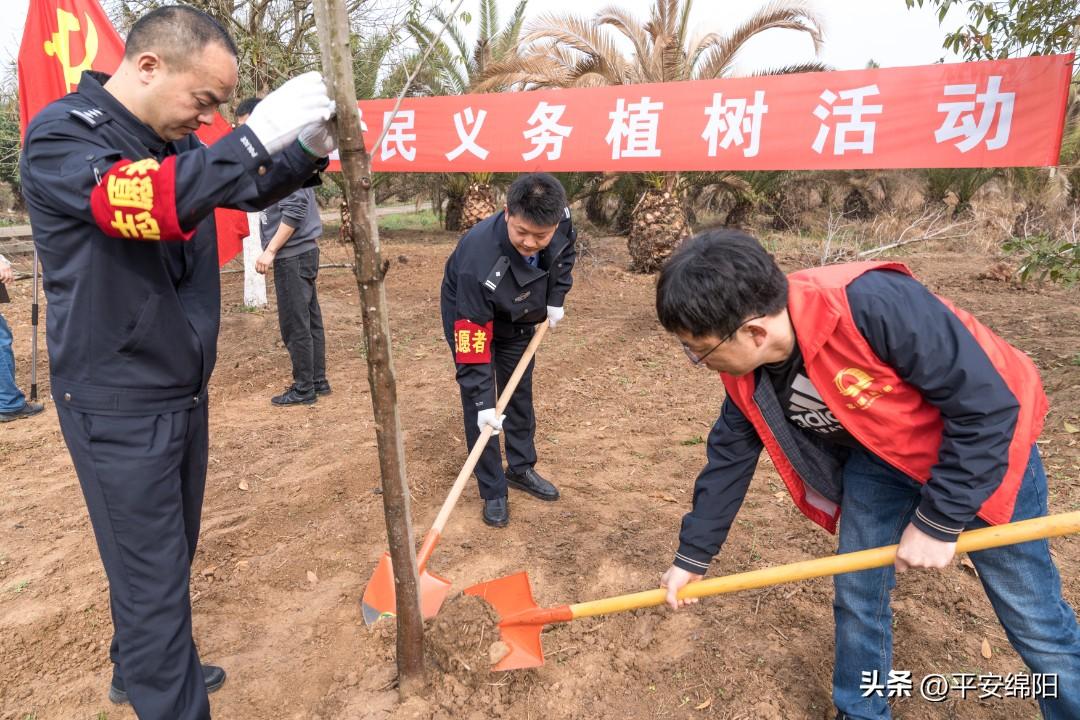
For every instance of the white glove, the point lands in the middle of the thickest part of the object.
(555, 314)
(278, 119)
(488, 417)
(319, 138)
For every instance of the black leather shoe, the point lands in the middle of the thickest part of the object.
(497, 512)
(212, 675)
(292, 397)
(322, 387)
(27, 410)
(531, 482)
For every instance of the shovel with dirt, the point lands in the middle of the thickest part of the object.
(380, 599)
(521, 620)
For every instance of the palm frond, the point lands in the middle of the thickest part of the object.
(508, 38)
(624, 22)
(574, 31)
(454, 31)
(525, 72)
(592, 71)
(718, 59)
(696, 47)
(487, 21)
(684, 22)
(807, 67)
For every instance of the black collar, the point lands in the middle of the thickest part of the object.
(92, 87)
(524, 273)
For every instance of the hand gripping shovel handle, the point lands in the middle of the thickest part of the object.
(477, 450)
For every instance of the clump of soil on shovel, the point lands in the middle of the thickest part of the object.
(462, 645)
(461, 635)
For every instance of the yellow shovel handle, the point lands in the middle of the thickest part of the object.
(989, 537)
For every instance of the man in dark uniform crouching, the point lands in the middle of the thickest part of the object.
(508, 273)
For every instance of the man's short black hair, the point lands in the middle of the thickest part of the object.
(177, 33)
(716, 281)
(537, 197)
(246, 106)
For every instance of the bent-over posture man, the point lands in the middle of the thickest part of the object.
(506, 274)
(887, 411)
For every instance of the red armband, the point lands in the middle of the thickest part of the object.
(137, 200)
(472, 342)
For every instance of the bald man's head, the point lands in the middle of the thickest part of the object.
(179, 66)
(177, 34)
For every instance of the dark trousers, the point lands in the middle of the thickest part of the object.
(519, 428)
(300, 317)
(143, 480)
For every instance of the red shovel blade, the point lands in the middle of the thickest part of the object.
(520, 619)
(380, 598)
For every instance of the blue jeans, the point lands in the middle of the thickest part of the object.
(1021, 581)
(11, 397)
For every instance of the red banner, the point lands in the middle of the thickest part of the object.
(998, 113)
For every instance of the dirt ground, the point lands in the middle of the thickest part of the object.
(293, 526)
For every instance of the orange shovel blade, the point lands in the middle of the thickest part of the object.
(380, 597)
(511, 596)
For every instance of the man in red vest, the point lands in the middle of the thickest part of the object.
(887, 412)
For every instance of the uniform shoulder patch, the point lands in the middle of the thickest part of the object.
(92, 116)
(498, 272)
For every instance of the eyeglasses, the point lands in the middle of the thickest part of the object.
(696, 359)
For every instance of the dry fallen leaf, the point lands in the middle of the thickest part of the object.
(986, 652)
(704, 705)
(244, 485)
(1070, 428)
(663, 496)
(965, 561)
(312, 577)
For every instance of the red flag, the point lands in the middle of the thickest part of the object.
(61, 39)
(232, 225)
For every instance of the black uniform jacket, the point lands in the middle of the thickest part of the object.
(123, 222)
(489, 291)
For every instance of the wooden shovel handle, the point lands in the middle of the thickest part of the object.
(982, 539)
(485, 434)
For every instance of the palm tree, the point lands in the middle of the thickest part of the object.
(454, 68)
(571, 51)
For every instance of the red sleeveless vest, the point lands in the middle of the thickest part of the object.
(889, 417)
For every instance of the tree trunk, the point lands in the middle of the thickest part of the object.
(333, 29)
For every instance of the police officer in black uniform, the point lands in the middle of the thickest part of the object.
(121, 196)
(508, 273)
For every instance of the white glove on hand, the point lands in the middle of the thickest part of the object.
(488, 417)
(278, 119)
(319, 138)
(555, 314)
